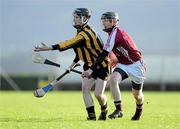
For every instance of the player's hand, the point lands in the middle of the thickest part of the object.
(113, 63)
(71, 66)
(113, 59)
(87, 73)
(43, 47)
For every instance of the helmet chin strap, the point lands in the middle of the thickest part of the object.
(77, 26)
(108, 29)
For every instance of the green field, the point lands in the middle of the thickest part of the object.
(66, 110)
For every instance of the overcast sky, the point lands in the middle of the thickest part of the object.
(153, 24)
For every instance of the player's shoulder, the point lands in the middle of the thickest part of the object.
(91, 29)
(88, 27)
(120, 30)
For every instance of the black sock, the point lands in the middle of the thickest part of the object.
(118, 105)
(103, 108)
(91, 112)
(139, 106)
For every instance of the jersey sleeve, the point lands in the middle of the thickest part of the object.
(111, 41)
(70, 43)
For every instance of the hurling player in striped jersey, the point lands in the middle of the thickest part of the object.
(87, 45)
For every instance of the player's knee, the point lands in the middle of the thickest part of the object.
(98, 95)
(138, 95)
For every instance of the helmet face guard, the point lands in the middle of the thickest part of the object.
(109, 16)
(80, 23)
(84, 15)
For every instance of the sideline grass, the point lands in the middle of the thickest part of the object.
(65, 110)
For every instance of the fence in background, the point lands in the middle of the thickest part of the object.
(162, 75)
(34, 82)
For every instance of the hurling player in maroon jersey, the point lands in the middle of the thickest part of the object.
(129, 64)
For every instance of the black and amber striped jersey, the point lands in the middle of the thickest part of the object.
(87, 45)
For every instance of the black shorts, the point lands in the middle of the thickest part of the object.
(102, 73)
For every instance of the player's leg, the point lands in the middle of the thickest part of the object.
(86, 88)
(137, 72)
(101, 97)
(116, 77)
(139, 97)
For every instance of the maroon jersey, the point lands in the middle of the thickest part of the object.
(123, 47)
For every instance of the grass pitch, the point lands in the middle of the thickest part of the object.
(66, 110)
